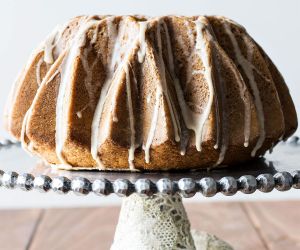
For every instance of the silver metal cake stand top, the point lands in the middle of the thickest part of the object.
(279, 169)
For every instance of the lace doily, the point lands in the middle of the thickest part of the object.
(153, 223)
(206, 241)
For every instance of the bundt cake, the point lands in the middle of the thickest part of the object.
(141, 93)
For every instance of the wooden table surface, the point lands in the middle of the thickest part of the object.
(247, 226)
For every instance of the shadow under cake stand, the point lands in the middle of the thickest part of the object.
(152, 214)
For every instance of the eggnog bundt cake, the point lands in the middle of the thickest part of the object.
(132, 92)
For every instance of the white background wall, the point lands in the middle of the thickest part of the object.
(275, 24)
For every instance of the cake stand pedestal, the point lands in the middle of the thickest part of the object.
(152, 214)
(157, 222)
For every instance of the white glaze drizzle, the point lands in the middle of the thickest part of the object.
(66, 75)
(193, 120)
(271, 81)
(121, 65)
(161, 90)
(131, 119)
(184, 133)
(38, 71)
(247, 66)
(50, 45)
(79, 114)
(141, 58)
(222, 154)
(247, 108)
(201, 46)
(52, 76)
(142, 41)
(196, 72)
(112, 33)
(51, 42)
(115, 56)
(222, 116)
(148, 99)
(224, 142)
(153, 125)
(163, 82)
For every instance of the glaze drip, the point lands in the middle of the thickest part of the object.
(201, 47)
(247, 66)
(122, 64)
(131, 119)
(184, 135)
(163, 83)
(51, 43)
(222, 120)
(151, 133)
(112, 35)
(38, 71)
(162, 91)
(64, 87)
(142, 42)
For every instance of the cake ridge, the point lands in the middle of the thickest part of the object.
(289, 117)
(242, 61)
(66, 69)
(107, 86)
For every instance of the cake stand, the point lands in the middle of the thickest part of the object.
(152, 214)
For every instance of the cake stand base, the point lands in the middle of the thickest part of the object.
(159, 222)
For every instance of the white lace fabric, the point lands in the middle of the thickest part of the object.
(159, 222)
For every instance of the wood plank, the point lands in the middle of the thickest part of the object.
(17, 227)
(277, 222)
(267, 225)
(228, 221)
(76, 228)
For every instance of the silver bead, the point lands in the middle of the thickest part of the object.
(208, 186)
(42, 183)
(9, 179)
(122, 187)
(247, 184)
(1, 175)
(296, 179)
(25, 181)
(283, 181)
(61, 185)
(187, 187)
(165, 186)
(81, 186)
(144, 187)
(102, 187)
(265, 183)
(228, 185)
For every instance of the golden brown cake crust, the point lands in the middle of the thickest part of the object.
(137, 93)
